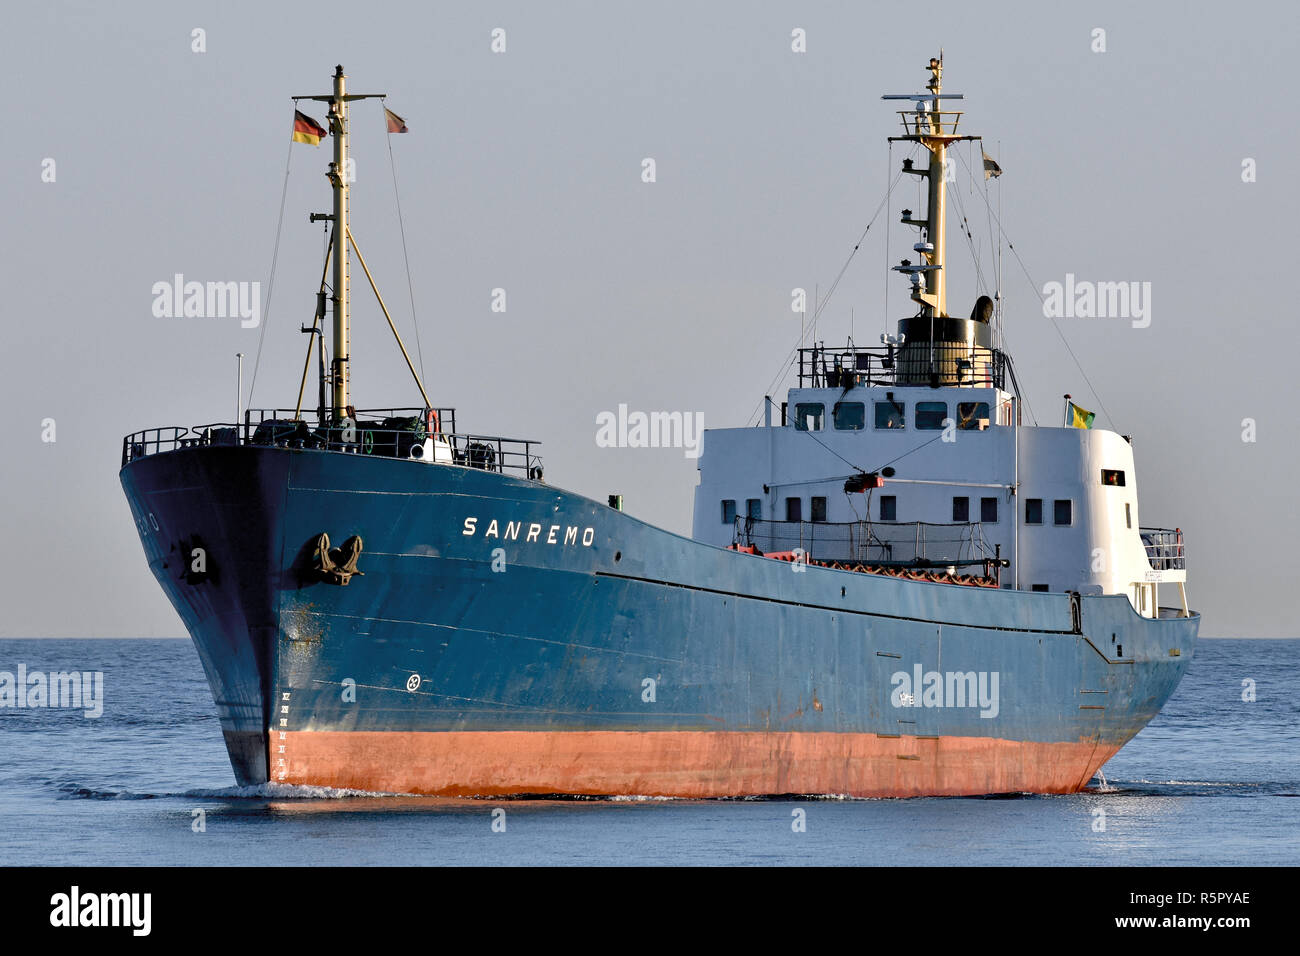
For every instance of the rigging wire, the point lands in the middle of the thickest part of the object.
(1055, 324)
(1000, 330)
(889, 215)
(981, 285)
(857, 469)
(996, 264)
(392, 165)
(270, 283)
(820, 306)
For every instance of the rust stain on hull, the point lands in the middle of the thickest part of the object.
(698, 764)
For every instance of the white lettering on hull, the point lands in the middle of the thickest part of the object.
(571, 532)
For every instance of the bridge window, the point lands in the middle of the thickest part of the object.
(888, 508)
(754, 508)
(989, 510)
(1033, 511)
(930, 415)
(850, 416)
(891, 414)
(961, 509)
(729, 511)
(808, 416)
(1112, 476)
(1128, 514)
(793, 509)
(1063, 512)
(1040, 587)
(818, 509)
(972, 415)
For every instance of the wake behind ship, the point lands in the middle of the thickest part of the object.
(383, 602)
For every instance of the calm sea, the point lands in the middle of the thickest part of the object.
(1212, 781)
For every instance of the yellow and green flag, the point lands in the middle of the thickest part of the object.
(1080, 417)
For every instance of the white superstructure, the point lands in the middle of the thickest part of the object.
(914, 456)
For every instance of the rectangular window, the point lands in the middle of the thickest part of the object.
(972, 415)
(930, 415)
(808, 416)
(754, 508)
(1063, 511)
(1111, 476)
(1033, 511)
(961, 509)
(1128, 515)
(989, 510)
(729, 511)
(850, 416)
(818, 509)
(890, 414)
(1040, 587)
(888, 508)
(793, 509)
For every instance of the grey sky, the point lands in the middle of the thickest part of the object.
(522, 171)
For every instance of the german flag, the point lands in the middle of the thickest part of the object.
(306, 129)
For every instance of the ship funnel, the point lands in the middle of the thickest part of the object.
(983, 311)
(943, 350)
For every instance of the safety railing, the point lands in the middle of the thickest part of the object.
(1164, 548)
(884, 543)
(923, 364)
(387, 433)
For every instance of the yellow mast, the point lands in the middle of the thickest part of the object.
(338, 176)
(930, 126)
(936, 231)
(338, 253)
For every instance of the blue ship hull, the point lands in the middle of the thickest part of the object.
(591, 653)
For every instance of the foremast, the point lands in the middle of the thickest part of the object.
(338, 117)
(338, 175)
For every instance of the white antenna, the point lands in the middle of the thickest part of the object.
(239, 388)
(997, 295)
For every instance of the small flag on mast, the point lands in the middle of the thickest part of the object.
(306, 129)
(1080, 417)
(395, 123)
(991, 167)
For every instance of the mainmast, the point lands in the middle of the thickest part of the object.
(934, 129)
(937, 348)
(936, 215)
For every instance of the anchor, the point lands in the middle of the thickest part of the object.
(338, 565)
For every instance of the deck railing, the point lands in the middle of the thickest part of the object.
(387, 433)
(923, 364)
(883, 543)
(1164, 548)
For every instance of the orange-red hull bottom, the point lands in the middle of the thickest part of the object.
(679, 763)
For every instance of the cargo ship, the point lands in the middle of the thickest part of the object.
(894, 586)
